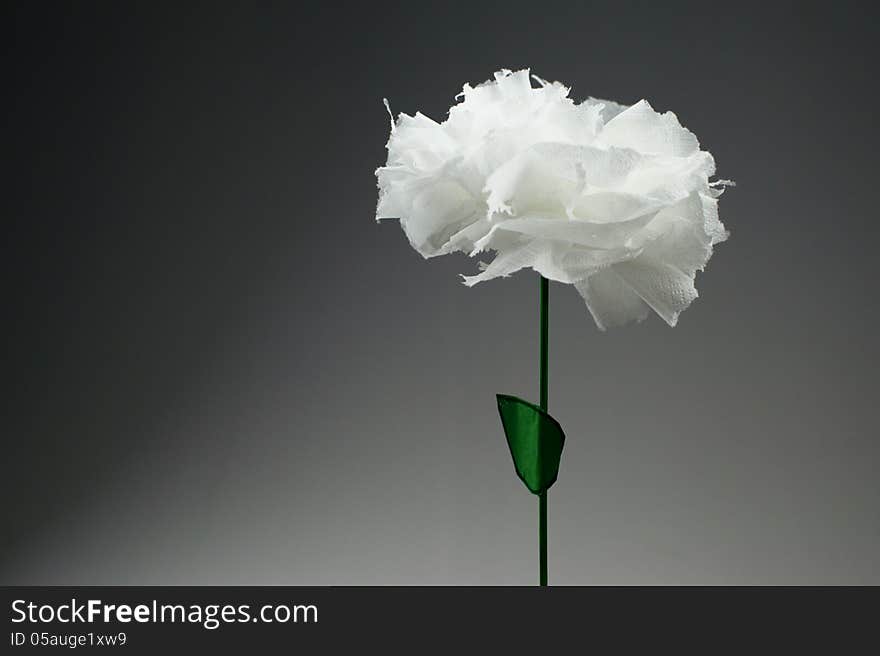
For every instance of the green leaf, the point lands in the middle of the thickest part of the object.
(535, 440)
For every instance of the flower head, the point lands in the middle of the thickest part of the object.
(615, 200)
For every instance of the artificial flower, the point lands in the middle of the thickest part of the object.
(616, 200)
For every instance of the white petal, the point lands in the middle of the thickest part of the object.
(419, 143)
(666, 289)
(548, 176)
(683, 234)
(641, 128)
(506, 262)
(438, 211)
(611, 207)
(573, 232)
(608, 109)
(610, 300)
(669, 179)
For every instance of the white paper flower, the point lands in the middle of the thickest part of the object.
(615, 200)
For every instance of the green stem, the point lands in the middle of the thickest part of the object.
(542, 498)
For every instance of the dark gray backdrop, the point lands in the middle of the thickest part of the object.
(221, 370)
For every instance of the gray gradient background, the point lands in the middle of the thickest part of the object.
(223, 371)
